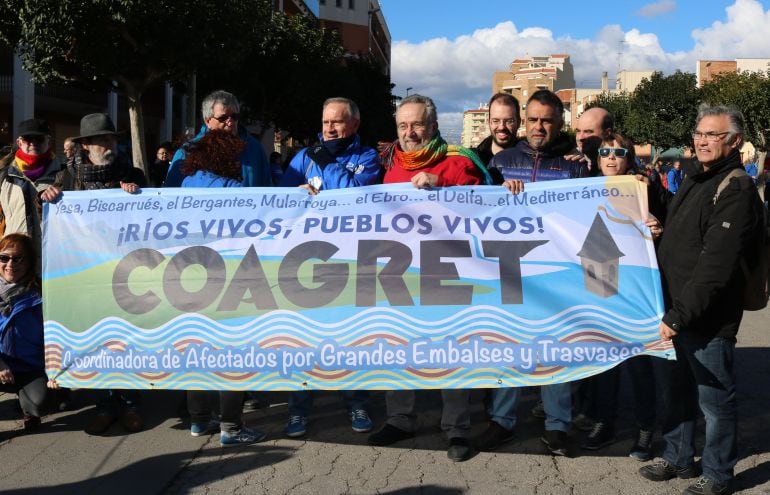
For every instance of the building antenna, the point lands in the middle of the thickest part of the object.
(620, 55)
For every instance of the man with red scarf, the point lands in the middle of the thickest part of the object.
(422, 157)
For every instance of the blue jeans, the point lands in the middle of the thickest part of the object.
(703, 376)
(301, 401)
(557, 401)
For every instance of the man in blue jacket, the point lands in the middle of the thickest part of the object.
(220, 110)
(338, 161)
(539, 157)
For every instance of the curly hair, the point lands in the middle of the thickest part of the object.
(217, 152)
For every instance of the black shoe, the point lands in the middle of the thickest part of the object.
(556, 441)
(459, 449)
(493, 437)
(602, 435)
(388, 435)
(642, 449)
(705, 486)
(662, 470)
(582, 422)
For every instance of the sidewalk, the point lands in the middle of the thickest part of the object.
(165, 459)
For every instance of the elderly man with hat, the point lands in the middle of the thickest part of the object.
(98, 165)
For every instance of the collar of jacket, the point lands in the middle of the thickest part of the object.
(731, 161)
(560, 146)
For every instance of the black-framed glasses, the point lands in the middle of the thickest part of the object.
(709, 136)
(618, 152)
(227, 116)
(505, 122)
(5, 258)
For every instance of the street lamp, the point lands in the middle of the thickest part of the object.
(407, 90)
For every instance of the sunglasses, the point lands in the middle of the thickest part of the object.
(223, 118)
(4, 258)
(618, 152)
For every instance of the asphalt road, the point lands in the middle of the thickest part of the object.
(164, 459)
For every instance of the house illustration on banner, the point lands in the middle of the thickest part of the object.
(600, 257)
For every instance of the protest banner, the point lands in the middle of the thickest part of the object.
(380, 287)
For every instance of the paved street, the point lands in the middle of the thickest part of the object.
(165, 459)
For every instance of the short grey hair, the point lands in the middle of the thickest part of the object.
(352, 107)
(430, 107)
(734, 116)
(228, 100)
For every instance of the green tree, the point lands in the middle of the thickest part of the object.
(127, 45)
(663, 110)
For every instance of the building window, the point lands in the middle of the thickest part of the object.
(322, 2)
(352, 4)
(339, 3)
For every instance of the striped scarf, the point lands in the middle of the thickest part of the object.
(430, 154)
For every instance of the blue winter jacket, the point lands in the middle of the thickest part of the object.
(204, 178)
(21, 335)
(357, 165)
(255, 169)
(530, 165)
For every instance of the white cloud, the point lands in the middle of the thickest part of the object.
(657, 8)
(457, 73)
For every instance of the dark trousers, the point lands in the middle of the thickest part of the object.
(200, 403)
(32, 391)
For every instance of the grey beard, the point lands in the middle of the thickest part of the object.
(107, 158)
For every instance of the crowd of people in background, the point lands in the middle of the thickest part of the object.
(702, 309)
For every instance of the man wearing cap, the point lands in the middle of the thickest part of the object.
(98, 165)
(220, 111)
(18, 198)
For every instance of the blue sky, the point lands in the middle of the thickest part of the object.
(449, 49)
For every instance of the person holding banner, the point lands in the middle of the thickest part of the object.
(22, 366)
(213, 161)
(422, 157)
(338, 161)
(99, 165)
(539, 157)
(712, 228)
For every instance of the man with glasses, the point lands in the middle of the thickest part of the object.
(220, 111)
(712, 226)
(504, 121)
(537, 158)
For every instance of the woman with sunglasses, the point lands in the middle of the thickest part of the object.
(617, 157)
(22, 364)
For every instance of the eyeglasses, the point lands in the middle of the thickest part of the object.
(618, 152)
(711, 137)
(224, 117)
(505, 122)
(5, 258)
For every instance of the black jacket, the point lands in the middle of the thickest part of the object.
(702, 246)
(524, 163)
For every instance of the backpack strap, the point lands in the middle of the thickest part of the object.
(736, 172)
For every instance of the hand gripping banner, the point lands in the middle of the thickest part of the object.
(380, 287)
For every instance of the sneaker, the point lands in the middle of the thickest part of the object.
(602, 435)
(556, 441)
(642, 449)
(201, 429)
(296, 426)
(240, 437)
(131, 421)
(387, 435)
(583, 423)
(251, 403)
(493, 437)
(662, 470)
(538, 411)
(31, 423)
(459, 449)
(100, 424)
(360, 421)
(705, 486)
